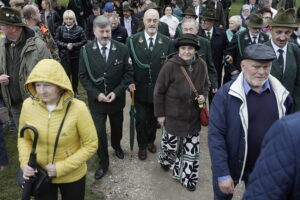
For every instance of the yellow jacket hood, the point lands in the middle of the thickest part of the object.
(51, 71)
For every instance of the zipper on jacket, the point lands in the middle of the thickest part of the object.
(48, 132)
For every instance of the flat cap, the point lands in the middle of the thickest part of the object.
(259, 52)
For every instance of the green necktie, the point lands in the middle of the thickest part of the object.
(280, 59)
(151, 45)
(103, 53)
(208, 35)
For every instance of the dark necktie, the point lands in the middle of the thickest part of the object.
(104, 53)
(151, 46)
(280, 59)
(208, 35)
(254, 40)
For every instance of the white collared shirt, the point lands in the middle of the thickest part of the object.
(275, 47)
(127, 24)
(210, 31)
(256, 39)
(107, 50)
(147, 37)
(197, 10)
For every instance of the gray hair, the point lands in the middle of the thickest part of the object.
(29, 10)
(190, 20)
(236, 19)
(101, 22)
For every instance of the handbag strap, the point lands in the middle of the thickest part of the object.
(189, 81)
(59, 130)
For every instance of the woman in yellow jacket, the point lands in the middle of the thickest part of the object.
(50, 92)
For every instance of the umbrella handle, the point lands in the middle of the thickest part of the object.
(132, 97)
(35, 132)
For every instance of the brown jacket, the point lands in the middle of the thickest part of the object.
(174, 98)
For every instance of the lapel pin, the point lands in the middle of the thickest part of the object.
(113, 48)
(141, 40)
(94, 46)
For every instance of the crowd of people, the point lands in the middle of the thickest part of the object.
(172, 56)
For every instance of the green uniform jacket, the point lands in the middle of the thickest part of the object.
(237, 46)
(113, 76)
(290, 79)
(145, 78)
(205, 53)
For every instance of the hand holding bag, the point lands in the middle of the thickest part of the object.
(203, 112)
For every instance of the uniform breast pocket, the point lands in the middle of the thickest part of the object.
(117, 65)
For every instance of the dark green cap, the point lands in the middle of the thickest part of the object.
(10, 16)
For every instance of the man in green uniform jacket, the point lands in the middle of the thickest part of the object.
(286, 68)
(148, 50)
(235, 49)
(105, 71)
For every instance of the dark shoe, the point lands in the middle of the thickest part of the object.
(191, 188)
(99, 173)
(152, 148)
(119, 153)
(164, 167)
(142, 154)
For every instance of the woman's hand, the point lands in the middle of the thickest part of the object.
(51, 169)
(161, 120)
(28, 171)
(70, 46)
(200, 99)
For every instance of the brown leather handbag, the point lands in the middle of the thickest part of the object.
(203, 112)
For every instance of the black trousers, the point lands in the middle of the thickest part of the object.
(69, 191)
(116, 124)
(71, 67)
(146, 124)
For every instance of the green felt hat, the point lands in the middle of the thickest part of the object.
(255, 21)
(285, 18)
(10, 16)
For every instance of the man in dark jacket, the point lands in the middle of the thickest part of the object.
(129, 21)
(105, 72)
(277, 170)
(240, 114)
(119, 33)
(148, 50)
(218, 40)
(286, 68)
(235, 49)
(89, 27)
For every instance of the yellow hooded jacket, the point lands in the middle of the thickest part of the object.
(78, 139)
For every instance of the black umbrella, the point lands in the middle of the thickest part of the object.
(132, 122)
(27, 190)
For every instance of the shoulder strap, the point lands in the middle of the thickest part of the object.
(88, 68)
(59, 130)
(239, 44)
(189, 81)
(138, 62)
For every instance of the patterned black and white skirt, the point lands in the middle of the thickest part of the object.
(181, 154)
